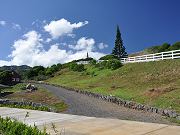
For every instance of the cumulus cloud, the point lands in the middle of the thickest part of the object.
(62, 27)
(3, 62)
(84, 44)
(26, 48)
(102, 46)
(29, 50)
(2, 23)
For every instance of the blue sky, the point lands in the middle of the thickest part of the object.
(77, 26)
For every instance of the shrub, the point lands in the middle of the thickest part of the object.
(101, 65)
(113, 64)
(76, 67)
(164, 47)
(13, 127)
(175, 46)
(110, 64)
(67, 65)
(92, 62)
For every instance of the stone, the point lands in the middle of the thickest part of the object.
(178, 117)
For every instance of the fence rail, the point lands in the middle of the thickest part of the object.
(175, 54)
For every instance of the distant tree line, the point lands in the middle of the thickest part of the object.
(42, 73)
(163, 48)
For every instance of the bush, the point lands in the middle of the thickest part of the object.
(175, 46)
(92, 62)
(76, 67)
(164, 47)
(13, 127)
(110, 64)
(101, 65)
(67, 65)
(113, 64)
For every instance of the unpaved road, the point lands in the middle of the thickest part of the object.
(79, 104)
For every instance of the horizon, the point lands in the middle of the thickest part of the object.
(45, 32)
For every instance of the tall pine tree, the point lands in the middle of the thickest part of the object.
(119, 49)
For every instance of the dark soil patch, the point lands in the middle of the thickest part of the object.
(156, 92)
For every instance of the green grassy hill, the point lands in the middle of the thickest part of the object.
(153, 83)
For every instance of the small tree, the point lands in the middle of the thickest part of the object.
(119, 49)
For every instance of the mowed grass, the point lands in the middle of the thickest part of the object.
(40, 96)
(153, 83)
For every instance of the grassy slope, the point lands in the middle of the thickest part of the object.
(153, 83)
(39, 96)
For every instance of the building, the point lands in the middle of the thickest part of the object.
(15, 78)
(84, 61)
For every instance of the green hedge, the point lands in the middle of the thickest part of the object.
(13, 127)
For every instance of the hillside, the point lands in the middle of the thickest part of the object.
(153, 83)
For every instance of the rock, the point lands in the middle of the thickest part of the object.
(172, 114)
(21, 103)
(178, 117)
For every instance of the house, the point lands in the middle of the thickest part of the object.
(9, 77)
(15, 78)
(84, 61)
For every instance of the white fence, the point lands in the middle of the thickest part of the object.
(153, 57)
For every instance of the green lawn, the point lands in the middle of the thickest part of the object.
(153, 83)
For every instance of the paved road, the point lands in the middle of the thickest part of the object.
(88, 106)
(67, 124)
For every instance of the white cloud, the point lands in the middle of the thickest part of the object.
(3, 62)
(16, 26)
(62, 27)
(48, 40)
(29, 50)
(2, 23)
(84, 44)
(102, 46)
(26, 48)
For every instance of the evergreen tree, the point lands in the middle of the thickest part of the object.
(119, 49)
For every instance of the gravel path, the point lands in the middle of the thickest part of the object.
(88, 106)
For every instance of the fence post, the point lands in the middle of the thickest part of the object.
(172, 55)
(162, 56)
(153, 57)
